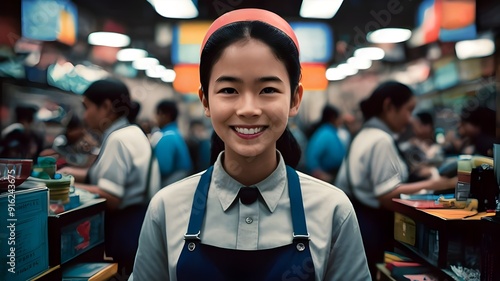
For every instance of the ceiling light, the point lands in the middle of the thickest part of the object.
(109, 39)
(359, 63)
(168, 76)
(474, 48)
(370, 53)
(130, 54)
(155, 71)
(389, 35)
(177, 9)
(334, 74)
(144, 63)
(319, 9)
(347, 69)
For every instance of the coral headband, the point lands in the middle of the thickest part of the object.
(251, 15)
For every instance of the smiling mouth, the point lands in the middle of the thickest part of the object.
(249, 131)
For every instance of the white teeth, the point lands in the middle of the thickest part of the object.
(247, 131)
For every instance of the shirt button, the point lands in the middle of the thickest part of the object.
(249, 220)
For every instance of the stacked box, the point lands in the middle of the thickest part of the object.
(76, 231)
(23, 235)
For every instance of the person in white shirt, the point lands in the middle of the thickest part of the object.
(251, 216)
(374, 170)
(125, 173)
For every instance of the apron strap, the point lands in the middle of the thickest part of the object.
(296, 205)
(200, 204)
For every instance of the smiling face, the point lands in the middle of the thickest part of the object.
(249, 99)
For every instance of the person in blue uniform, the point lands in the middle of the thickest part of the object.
(251, 215)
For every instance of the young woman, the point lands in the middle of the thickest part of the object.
(374, 170)
(120, 172)
(251, 216)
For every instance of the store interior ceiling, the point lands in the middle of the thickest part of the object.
(354, 16)
(353, 20)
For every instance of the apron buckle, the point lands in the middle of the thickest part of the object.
(192, 236)
(301, 236)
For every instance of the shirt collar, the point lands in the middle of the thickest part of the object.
(227, 188)
(169, 126)
(118, 124)
(375, 122)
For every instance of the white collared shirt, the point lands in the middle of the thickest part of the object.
(121, 168)
(375, 166)
(336, 245)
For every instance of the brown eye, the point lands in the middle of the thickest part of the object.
(227, 91)
(269, 90)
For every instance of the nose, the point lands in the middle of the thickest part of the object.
(248, 105)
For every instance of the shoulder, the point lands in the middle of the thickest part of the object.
(372, 137)
(322, 191)
(178, 193)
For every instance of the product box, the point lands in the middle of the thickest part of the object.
(99, 271)
(76, 231)
(23, 235)
(404, 229)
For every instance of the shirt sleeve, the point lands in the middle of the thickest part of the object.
(347, 260)
(151, 260)
(113, 168)
(385, 167)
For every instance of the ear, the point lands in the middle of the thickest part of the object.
(107, 106)
(387, 105)
(204, 101)
(296, 100)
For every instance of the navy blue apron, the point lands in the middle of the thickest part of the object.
(204, 262)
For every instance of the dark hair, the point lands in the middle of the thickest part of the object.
(110, 89)
(135, 108)
(283, 48)
(482, 117)
(396, 92)
(74, 122)
(169, 108)
(25, 113)
(329, 112)
(425, 118)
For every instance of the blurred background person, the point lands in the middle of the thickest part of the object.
(75, 146)
(125, 172)
(476, 132)
(421, 151)
(20, 139)
(169, 145)
(325, 150)
(198, 142)
(374, 170)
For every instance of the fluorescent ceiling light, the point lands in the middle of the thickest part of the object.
(131, 54)
(334, 74)
(319, 9)
(347, 69)
(144, 63)
(155, 71)
(389, 35)
(168, 76)
(474, 48)
(370, 53)
(109, 39)
(177, 9)
(359, 63)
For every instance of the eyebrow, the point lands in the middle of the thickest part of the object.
(239, 80)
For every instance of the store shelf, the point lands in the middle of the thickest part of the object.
(441, 251)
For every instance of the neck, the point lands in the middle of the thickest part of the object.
(249, 170)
